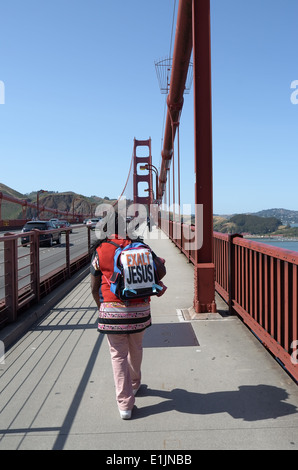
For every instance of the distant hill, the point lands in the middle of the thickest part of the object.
(9, 210)
(250, 224)
(268, 221)
(254, 224)
(64, 201)
(246, 223)
(286, 216)
(11, 192)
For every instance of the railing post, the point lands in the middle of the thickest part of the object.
(231, 273)
(67, 253)
(89, 240)
(231, 270)
(34, 262)
(11, 277)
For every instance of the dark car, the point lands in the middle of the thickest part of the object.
(44, 238)
(62, 224)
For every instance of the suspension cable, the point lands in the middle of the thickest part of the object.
(126, 182)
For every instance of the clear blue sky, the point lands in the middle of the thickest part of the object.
(80, 84)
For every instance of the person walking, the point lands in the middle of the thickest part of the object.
(124, 323)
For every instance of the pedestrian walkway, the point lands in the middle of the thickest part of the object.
(207, 383)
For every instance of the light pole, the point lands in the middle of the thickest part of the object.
(91, 204)
(73, 201)
(37, 201)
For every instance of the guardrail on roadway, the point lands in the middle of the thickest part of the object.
(28, 273)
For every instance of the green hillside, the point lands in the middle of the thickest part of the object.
(253, 225)
(262, 224)
(65, 201)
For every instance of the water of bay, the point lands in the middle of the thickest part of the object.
(291, 245)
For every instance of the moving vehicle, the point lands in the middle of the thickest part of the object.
(61, 224)
(44, 238)
(91, 223)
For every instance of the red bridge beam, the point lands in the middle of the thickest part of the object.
(181, 58)
(204, 267)
(193, 31)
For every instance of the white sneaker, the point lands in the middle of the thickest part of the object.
(125, 414)
(135, 390)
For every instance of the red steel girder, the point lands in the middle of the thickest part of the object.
(204, 300)
(193, 31)
(180, 64)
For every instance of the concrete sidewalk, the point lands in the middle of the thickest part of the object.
(207, 384)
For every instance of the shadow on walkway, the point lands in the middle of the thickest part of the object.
(250, 402)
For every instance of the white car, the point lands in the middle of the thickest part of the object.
(91, 223)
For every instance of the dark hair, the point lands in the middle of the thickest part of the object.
(110, 226)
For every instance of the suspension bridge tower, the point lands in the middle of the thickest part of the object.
(140, 178)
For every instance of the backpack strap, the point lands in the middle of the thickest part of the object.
(117, 246)
(112, 243)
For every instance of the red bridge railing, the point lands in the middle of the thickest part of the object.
(259, 282)
(23, 280)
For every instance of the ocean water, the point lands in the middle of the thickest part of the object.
(286, 244)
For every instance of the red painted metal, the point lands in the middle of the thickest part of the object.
(246, 272)
(264, 293)
(180, 64)
(193, 31)
(204, 300)
(19, 222)
(294, 322)
(10, 279)
(21, 280)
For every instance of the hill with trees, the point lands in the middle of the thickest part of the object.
(286, 216)
(65, 201)
(266, 222)
(249, 224)
(255, 224)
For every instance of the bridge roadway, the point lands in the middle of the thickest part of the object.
(51, 258)
(207, 383)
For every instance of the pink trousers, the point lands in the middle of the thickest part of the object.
(126, 354)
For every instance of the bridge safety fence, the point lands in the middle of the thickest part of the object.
(29, 271)
(259, 282)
